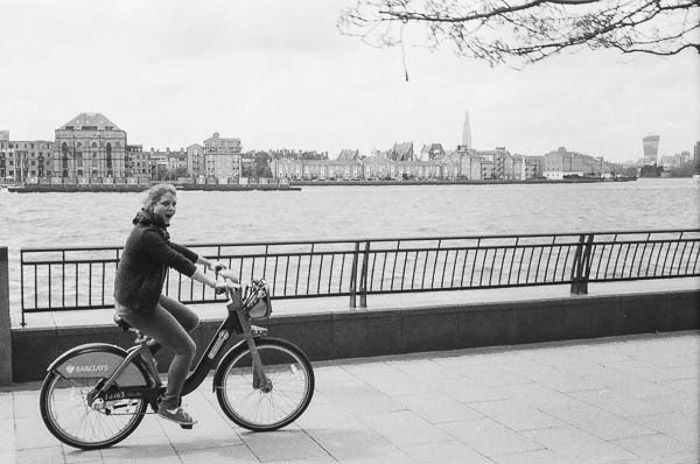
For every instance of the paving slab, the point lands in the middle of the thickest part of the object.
(634, 400)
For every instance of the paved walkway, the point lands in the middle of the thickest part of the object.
(615, 400)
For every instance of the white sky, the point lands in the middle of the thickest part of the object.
(278, 74)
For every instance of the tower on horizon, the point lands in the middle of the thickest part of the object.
(651, 149)
(467, 132)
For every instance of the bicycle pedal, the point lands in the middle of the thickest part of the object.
(186, 426)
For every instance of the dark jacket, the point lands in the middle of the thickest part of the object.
(147, 255)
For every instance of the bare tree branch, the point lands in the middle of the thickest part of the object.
(527, 31)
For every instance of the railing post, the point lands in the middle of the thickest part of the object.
(363, 277)
(582, 267)
(5, 329)
(353, 276)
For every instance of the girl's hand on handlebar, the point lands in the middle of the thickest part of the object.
(228, 275)
(225, 286)
(217, 266)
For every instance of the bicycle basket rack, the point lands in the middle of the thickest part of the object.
(255, 300)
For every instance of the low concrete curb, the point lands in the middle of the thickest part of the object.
(353, 334)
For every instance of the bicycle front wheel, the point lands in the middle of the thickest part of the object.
(69, 417)
(265, 409)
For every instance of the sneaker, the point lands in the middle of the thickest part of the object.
(176, 415)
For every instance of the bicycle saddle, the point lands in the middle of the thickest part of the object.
(123, 325)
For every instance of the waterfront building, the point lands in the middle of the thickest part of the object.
(467, 132)
(527, 167)
(196, 166)
(449, 169)
(7, 160)
(487, 167)
(401, 152)
(32, 160)
(89, 146)
(561, 163)
(347, 170)
(24, 161)
(168, 164)
(348, 155)
(496, 164)
(314, 169)
(416, 169)
(650, 144)
(286, 168)
(222, 158)
(468, 163)
(670, 162)
(137, 165)
(379, 167)
(431, 151)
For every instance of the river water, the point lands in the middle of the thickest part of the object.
(349, 212)
(352, 212)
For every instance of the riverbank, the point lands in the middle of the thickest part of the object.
(573, 180)
(296, 185)
(38, 188)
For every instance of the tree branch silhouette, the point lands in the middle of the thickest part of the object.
(527, 31)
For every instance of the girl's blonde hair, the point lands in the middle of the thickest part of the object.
(155, 193)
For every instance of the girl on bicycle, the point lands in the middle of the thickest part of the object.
(147, 255)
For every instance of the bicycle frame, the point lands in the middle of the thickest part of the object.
(236, 324)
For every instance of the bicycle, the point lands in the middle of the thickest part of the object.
(95, 395)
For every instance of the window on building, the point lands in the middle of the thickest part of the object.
(109, 156)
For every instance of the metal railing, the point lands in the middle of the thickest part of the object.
(83, 277)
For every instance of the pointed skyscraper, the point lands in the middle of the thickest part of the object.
(467, 132)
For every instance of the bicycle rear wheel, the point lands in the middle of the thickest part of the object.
(292, 379)
(68, 416)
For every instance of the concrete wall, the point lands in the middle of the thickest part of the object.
(372, 333)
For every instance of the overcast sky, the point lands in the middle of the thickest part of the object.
(278, 74)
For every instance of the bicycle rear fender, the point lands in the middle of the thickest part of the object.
(97, 360)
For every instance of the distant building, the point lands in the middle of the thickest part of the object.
(285, 168)
(168, 164)
(137, 164)
(431, 151)
(89, 146)
(468, 163)
(7, 160)
(401, 152)
(561, 163)
(496, 164)
(378, 167)
(527, 167)
(196, 165)
(467, 132)
(651, 149)
(222, 158)
(349, 155)
(32, 160)
(4, 135)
